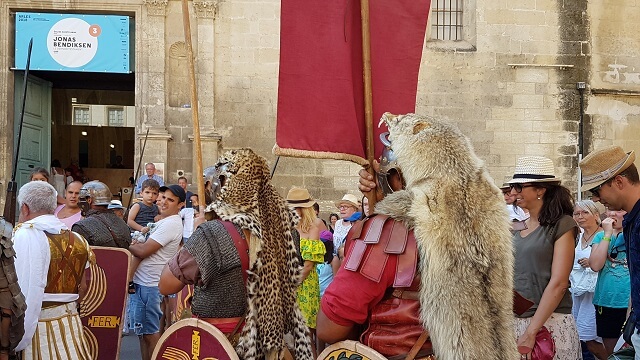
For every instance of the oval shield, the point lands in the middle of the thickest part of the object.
(350, 350)
(194, 339)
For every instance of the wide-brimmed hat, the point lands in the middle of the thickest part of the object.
(603, 164)
(348, 199)
(534, 169)
(299, 197)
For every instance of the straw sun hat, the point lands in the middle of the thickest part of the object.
(533, 169)
(299, 197)
(604, 164)
(348, 199)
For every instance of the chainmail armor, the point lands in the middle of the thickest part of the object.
(223, 293)
(98, 234)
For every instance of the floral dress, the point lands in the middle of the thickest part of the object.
(309, 290)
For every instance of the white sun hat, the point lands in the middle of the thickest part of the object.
(532, 169)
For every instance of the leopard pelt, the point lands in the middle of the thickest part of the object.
(249, 200)
(462, 231)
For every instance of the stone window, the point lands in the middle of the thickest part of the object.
(81, 115)
(446, 19)
(116, 116)
(452, 25)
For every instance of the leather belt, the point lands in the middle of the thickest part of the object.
(50, 304)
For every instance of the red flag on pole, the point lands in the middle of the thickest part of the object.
(320, 94)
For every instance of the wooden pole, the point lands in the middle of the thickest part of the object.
(368, 94)
(194, 100)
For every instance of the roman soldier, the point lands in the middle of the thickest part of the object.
(430, 272)
(12, 302)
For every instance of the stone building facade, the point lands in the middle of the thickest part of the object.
(509, 82)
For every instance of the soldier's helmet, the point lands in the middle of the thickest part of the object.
(98, 191)
(388, 164)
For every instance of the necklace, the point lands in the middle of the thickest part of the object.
(586, 239)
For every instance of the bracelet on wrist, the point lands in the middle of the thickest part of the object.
(606, 238)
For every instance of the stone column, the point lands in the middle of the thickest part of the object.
(151, 97)
(205, 12)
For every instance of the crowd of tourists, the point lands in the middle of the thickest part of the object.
(575, 264)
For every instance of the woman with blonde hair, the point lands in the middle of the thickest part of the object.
(583, 279)
(312, 251)
(544, 253)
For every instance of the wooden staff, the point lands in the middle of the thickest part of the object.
(135, 177)
(368, 94)
(194, 100)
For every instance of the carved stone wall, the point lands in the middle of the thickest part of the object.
(178, 76)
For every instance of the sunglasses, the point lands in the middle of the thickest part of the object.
(596, 190)
(518, 187)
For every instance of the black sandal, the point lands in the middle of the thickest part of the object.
(132, 288)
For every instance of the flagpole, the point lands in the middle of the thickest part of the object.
(368, 94)
(194, 99)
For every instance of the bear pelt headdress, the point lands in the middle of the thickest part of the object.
(461, 226)
(248, 199)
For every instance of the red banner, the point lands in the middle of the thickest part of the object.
(320, 94)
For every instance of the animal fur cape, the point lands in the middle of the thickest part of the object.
(249, 200)
(462, 230)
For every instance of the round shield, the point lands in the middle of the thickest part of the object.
(348, 350)
(193, 339)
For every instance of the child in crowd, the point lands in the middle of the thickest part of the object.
(144, 212)
(141, 217)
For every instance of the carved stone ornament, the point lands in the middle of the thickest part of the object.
(156, 7)
(205, 9)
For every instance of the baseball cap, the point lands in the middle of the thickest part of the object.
(176, 190)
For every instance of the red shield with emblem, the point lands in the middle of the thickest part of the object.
(102, 308)
(194, 339)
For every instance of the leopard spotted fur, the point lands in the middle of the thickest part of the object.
(249, 200)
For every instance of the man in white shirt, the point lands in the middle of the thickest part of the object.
(44, 245)
(162, 245)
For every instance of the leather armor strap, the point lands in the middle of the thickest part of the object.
(65, 258)
(241, 246)
(415, 352)
(243, 253)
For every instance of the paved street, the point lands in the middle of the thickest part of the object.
(130, 348)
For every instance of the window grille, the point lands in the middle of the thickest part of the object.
(116, 117)
(446, 19)
(81, 116)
